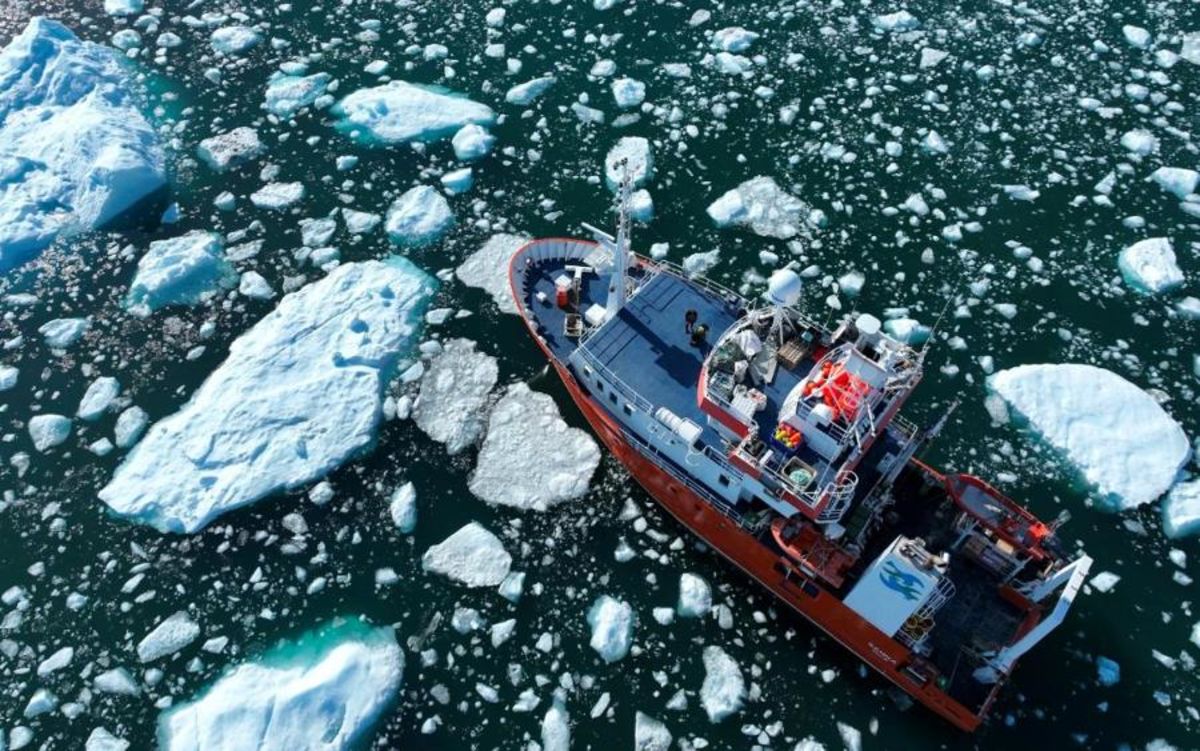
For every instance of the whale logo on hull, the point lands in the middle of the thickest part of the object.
(899, 580)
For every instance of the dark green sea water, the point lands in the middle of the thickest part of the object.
(853, 89)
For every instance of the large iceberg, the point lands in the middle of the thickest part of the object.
(760, 205)
(324, 692)
(399, 111)
(75, 151)
(1114, 433)
(180, 271)
(487, 268)
(530, 458)
(299, 393)
(451, 408)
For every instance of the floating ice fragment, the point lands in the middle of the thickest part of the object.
(1116, 435)
(695, 596)
(733, 39)
(102, 740)
(254, 286)
(472, 556)
(901, 20)
(472, 142)
(130, 425)
(454, 392)
(612, 623)
(1181, 510)
(723, 689)
(1150, 266)
(526, 93)
(420, 216)
(232, 149)
(1177, 181)
(171, 635)
(763, 207)
(179, 271)
(288, 94)
(403, 508)
(1136, 36)
(399, 111)
(299, 393)
(98, 398)
(1140, 142)
(487, 268)
(123, 7)
(649, 734)
(531, 459)
(61, 333)
(277, 196)
(556, 725)
(234, 40)
(48, 431)
(635, 152)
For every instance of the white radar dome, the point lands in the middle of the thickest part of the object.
(783, 288)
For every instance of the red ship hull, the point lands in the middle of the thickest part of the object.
(772, 571)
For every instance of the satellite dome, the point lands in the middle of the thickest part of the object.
(783, 288)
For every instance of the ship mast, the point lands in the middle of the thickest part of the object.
(616, 282)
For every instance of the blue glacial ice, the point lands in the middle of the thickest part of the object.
(75, 151)
(399, 111)
(420, 216)
(299, 394)
(324, 691)
(180, 271)
(612, 623)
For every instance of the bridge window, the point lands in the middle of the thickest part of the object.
(628, 410)
(723, 480)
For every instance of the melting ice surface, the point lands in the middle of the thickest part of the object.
(75, 151)
(323, 692)
(530, 458)
(399, 111)
(299, 394)
(1113, 432)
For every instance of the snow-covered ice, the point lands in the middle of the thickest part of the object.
(1150, 266)
(49, 430)
(723, 689)
(299, 393)
(451, 408)
(612, 622)
(324, 691)
(471, 142)
(487, 268)
(288, 94)
(179, 271)
(75, 151)
(418, 217)
(472, 556)
(1181, 510)
(255, 286)
(231, 149)
(1114, 433)
(530, 458)
(639, 161)
(762, 206)
(101, 739)
(131, 423)
(695, 596)
(399, 111)
(98, 398)
(171, 634)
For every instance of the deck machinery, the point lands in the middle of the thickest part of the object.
(778, 441)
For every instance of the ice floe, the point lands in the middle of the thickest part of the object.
(278, 196)
(182, 270)
(234, 40)
(418, 217)
(733, 39)
(723, 689)
(75, 151)
(62, 333)
(1114, 433)
(526, 93)
(612, 622)
(324, 691)
(49, 430)
(1150, 266)
(98, 398)
(695, 596)
(635, 152)
(1181, 509)
(1177, 181)
(451, 408)
(288, 94)
(487, 268)
(403, 508)
(472, 142)
(399, 111)
(299, 393)
(760, 205)
(231, 149)
(530, 458)
(472, 556)
(172, 634)
(556, 725)
(628, 92)
(649, 734)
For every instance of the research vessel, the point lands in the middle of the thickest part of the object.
(778, 441)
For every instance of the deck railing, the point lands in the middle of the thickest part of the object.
(631, 394)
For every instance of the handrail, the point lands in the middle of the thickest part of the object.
(625, 389)
(648, 449)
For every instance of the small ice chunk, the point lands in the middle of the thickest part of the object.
(649, 734)
(98, 398)
(556, 725)
(487, 268)
(472, 142)
(628, 92)
(403, 508)
(8, 376)
(635, 152)
(454, 393)
(531, 459)
(1150, 266)
(1108, 672)
(171, 635)
(1140, 142)
(179, 271)
(116, 681)
(123, 7)
(1136, 36)
(1114, 433)
(232, 149)
(472, 556)
(277, 196)
(1177, 181)
(1104, 581)
(61, 333)
(723, 689)
(1181, 510)
(254, 286)
(526, 93)
(130, 425)
(360, 222)
(56, 661)
(234, 40)
(695, 596)
(288, 94)
(102, 740)
(49, 430)
(612, 622)
(420, 216)
(901, 20)
(760, 205)
(459, 181)
(399, 111)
